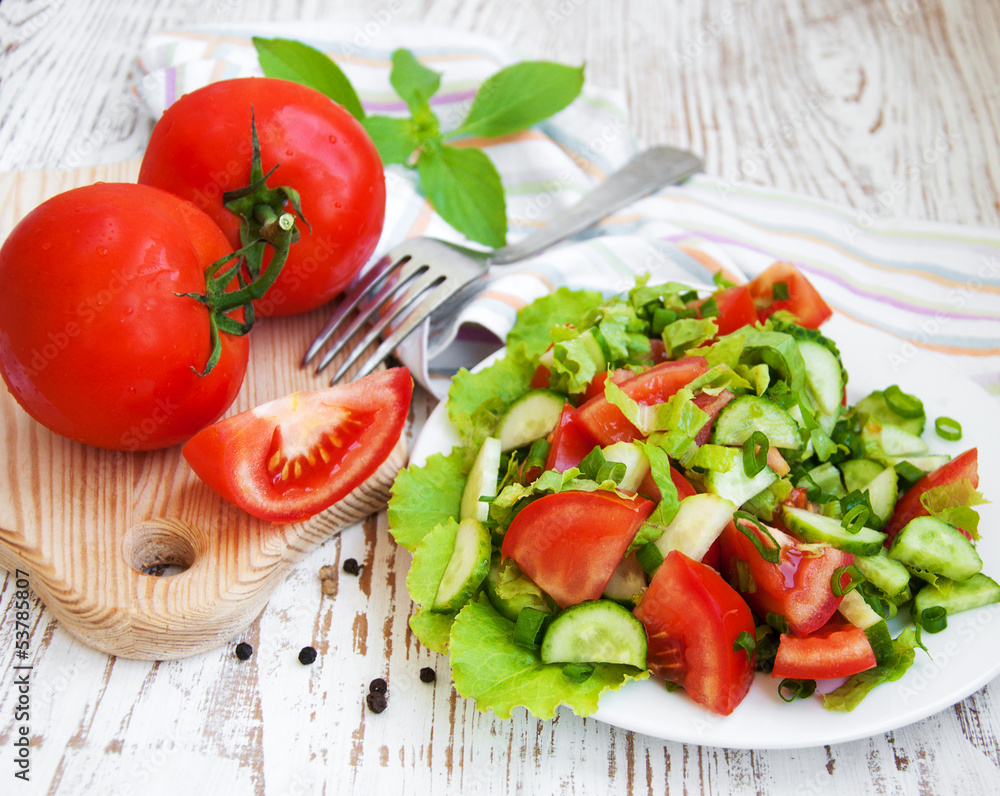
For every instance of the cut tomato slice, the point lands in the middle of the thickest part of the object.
(568, 442)
(803, 300)
(596, 386)
(798, 587)
(735, 308)
(964, 466)
(605, 422)
(289, 459)
(570, 543)
(692, 619)
(835, 650)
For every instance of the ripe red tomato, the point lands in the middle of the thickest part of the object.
(95, 343)
(837, 649)
(964, 466)
(692, 619)
(804, 301)
(201, 147)
(797, 587)
(570, 543)
(735, 308)
(569, 443)
(289, 459)
(605, 422)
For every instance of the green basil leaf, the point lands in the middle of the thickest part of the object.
(413, 81)
(519, 96)
(393, 137)
(293, 60)
(465, 189)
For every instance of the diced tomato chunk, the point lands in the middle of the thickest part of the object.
(693, 619)
(835, 650)
(735, 308)
(596, 386)
(569, 443)
(803, 301)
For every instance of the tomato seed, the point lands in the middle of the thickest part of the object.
(427, 675)
(243, 651)
(307, 655)
(351, 566)
(376, 702)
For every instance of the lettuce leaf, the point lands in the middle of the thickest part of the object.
(953, 503)
(430, 560)
(687, 333)
(534, 322)
(489, 667)
(424, 497)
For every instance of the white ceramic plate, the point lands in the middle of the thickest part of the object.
(962, 659)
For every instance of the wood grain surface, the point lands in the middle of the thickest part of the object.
(887, 106)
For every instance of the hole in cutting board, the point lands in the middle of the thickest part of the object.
(161, 547)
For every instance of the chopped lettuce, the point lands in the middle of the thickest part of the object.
(489, 667)
(423, 497)
(430, 560)
(953, 503)
(534, 323)
(687, 333)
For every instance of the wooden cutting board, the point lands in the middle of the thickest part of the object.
(85, 523)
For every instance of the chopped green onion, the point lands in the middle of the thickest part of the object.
(791, 689)
(689, 296)
(777, 621)
(537, 454)
(854, 576)
(875, 600)
(528, 627)
(755, 453)
(902, 403)
(649, 558)
(770, 554)
(577, 672)
(710, 308)
(746, 642)
(934, 619)
(610, 471)
(779, 291)
(948, 428)
(720, 280)
(855, 519)
(909, 471)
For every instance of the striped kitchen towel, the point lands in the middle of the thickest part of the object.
(934, 286)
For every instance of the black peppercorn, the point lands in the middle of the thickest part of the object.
(243, 651)
(378, 686)
(376, 702)
(307, 655)
(427, 675)
(351, 566)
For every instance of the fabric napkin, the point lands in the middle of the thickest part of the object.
(935, 286)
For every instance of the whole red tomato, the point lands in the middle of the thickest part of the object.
(95, 343)
(201, 148)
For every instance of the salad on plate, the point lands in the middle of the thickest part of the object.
(674, 485)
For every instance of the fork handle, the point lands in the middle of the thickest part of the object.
(654, 168)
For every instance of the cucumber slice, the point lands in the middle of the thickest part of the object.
(509, 589)
(824, 376)
(530, 417)
(929, 544)
(467, 567)
(482, 481)
(749, 413)
(888, 444)
(698, 522)
(884, 573)
(926, 463)
(596, 631)
(815, 528)
(860, 614)
(635, 460)
(875, 406)
(882, 493)
(963, 595)
(859, 472)
(627, 582)
(827, 478)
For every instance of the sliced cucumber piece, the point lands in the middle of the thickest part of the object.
(858, 472)
(635, 460)
(627, 582)
(743, 416)
(509, 589)
(482, 481)
(530, 417)
(827, 478)
(824, 376)
(960, 595)
(875, 406)
(931, 545)
(596, 631)
(698, 522)
(884, 444)
(467, 567)
(882, 493)
(926, 463)
(815, 528)
(884, 573)
(856, 611)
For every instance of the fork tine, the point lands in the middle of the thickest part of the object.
(432, 296)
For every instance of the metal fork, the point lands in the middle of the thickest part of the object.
(424, 276)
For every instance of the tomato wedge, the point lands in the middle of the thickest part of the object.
(964, 466)
(797, 587)
(692, 619)
(735, 308)
(570, 543)
(289, 459)
(803, 300)
(568, 442)
(605, 422)
(835, 650)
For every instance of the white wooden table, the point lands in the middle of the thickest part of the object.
(847, 104)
